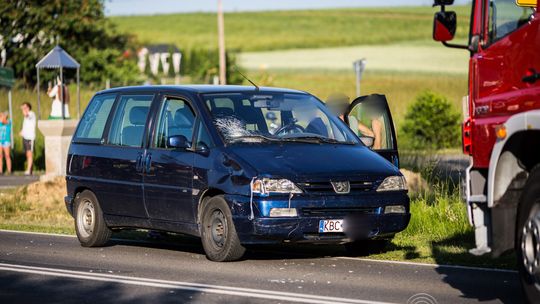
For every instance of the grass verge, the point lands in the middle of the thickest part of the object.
(439, 232)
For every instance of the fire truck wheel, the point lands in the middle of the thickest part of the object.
(528, 237)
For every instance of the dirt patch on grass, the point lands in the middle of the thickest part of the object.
(40, 204)
(45, 194)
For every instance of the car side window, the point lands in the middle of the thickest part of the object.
(505, 17)
(95, 117)
(129, 122)
(176, 118)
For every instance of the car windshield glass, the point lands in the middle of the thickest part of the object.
(270, 117)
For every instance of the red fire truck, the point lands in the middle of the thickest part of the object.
(501, 128)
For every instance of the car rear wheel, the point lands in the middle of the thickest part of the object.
(219, 238)
(528, 237)
(89, 223)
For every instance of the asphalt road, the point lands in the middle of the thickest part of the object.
(12, 181)
(39, 268)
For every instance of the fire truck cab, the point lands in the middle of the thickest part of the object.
(501, 128)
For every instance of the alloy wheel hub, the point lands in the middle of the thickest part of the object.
(530, 245)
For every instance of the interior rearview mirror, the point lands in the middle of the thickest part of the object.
(178, 142)
(444, 26)
(368, 141)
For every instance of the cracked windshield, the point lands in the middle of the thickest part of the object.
(275, 117)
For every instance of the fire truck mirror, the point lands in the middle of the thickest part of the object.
(444, 26)
(443, 2)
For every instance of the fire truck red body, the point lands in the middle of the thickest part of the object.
(501, 129)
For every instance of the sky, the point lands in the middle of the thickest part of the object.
(149, 7)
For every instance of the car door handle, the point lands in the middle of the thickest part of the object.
(148, 162)
(138, 163)
(531, 77)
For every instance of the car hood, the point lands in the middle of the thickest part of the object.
(313, 161)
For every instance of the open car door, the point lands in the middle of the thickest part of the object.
(369, 117)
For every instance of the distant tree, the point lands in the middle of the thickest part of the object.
(30, 28)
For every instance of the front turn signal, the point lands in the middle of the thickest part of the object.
(500, 132)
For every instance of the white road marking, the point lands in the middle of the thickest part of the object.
(38, 233)
(215, 289)
(429, 265)
(343, 258)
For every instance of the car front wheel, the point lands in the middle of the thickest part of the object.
(89, 223)
(219, 238)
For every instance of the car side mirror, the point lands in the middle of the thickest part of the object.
(368, 141)
(444, 26)
(178, 142)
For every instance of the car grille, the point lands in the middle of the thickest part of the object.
(339, 211)
(326, 187)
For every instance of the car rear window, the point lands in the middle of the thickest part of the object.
(95, 117)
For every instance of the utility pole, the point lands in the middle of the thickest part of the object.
(221, 42)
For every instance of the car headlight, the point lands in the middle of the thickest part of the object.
(266, 186)
(393, 183)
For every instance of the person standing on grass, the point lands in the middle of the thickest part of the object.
(5, 142)
(28, 133)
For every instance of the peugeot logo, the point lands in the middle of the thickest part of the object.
(341, 187)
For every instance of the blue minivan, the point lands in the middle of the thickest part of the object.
(235, 166)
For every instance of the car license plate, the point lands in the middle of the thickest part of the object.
(330, 226)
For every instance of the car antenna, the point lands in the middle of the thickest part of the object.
(245, 77)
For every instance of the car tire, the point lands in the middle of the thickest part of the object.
(218, 234)
(366, 247)
(528, 237)
(89, 223)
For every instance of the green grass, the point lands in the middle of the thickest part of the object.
(275, 30)
(439, 232)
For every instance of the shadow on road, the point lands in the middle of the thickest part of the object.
(468, 284)
(177, 242)
(24, 288)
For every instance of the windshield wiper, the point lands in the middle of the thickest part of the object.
(317, 139)
(251, 138)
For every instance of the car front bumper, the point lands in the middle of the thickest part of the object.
(363, 216)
